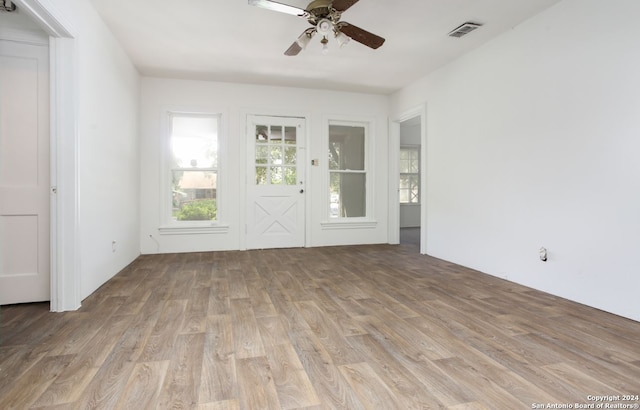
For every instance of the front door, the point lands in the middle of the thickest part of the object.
(24, 173)
(275, 183)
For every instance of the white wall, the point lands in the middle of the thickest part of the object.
(108, 170)
(533, 141)
(235, 101)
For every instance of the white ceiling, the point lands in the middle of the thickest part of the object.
(228, 40)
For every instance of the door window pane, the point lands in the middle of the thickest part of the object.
(290, 155)
(276, 155)
(261, 175)
(275, 175)
(290, 135)
(290, 176)
(262, 154)
(262, 133)
(276, 134)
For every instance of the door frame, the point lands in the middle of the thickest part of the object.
(65, 259)
(394, 172)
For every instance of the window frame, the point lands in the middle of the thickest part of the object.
(366, 221)
(415, 148)
(168, 225)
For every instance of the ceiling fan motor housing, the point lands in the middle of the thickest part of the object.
(320, 7)
(320, 10)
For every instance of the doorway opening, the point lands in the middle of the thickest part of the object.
(409, 185)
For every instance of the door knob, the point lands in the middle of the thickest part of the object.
(302, 191)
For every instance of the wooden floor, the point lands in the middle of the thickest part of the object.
(365, 327)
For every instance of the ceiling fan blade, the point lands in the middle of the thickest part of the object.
(342, 5)
(294, 50)
(301, 43)
(282, 8)
(361, 36)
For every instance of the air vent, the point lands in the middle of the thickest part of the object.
(464, 29)
(7, 5)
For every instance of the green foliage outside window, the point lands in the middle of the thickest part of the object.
(203, 210)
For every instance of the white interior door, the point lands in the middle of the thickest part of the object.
(24, 173)
(275, 182)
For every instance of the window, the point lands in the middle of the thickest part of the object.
(193, 167)
(409, 175)
(347, 170)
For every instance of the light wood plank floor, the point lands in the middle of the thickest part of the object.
(363, 327)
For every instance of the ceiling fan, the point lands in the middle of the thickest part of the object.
(324, 16)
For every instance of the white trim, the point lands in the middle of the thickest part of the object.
(44, 13)
(423, 179)
(193, 230)
(394, 184)
(346, 224)
(65, 260)
(66, 272)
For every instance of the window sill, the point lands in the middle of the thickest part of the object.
(193, 229)
(342, 224)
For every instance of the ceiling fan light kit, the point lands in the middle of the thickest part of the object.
(305, 38)
(324, 16)
(325, 47)
(342, 39)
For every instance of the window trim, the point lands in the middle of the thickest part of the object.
(167, 225)
(364, 222)
(416, 148)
